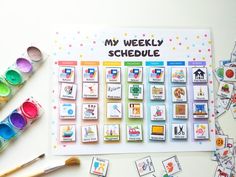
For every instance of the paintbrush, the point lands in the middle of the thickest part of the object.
(72, 161)
(22, 166)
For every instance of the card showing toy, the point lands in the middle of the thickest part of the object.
(172, 165)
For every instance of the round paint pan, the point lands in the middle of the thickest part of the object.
(17, 120)
(6, 132)
(29, 110)
(13, 77)
(34, 53)
(24, 65)
(5, 91)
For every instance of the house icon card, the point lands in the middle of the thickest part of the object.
(199, 74)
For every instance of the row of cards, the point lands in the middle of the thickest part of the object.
(134, 132)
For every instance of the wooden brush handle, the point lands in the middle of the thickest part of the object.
(41, 173)
(11, 171)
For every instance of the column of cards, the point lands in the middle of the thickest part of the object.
(90, 95)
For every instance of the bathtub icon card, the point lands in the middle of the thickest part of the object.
(127, 90)
(67, 133)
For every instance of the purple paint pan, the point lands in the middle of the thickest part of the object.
(24, 65)
(17, 120)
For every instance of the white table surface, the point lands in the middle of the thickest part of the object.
(27, 22)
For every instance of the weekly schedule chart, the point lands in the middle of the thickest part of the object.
(122, 90)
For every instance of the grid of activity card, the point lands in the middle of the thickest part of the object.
(139, 103)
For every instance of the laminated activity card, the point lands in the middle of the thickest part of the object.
(129, 90)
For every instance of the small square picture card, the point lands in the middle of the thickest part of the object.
(221, 141)
(90, 74)
(157, 92)
(230, 74)
(68, 91)
(157, 133)
(223, 172)
(172, 165)
(134, 132)
(89, 111)
(179, 131)
(114, 110)
(89, 133)
(111, 132)
(66, 74)
(201, 131)
(179, 94)
(113, 75)
(158, 112)
(225, 89)
(135, 91)
(67, 133)
(145, 166)
(180, 111)
(157, 74)
(99, 167)
(200, 110)
(114, 91)
(179, 75)
(199, 74)
(67, 110)
(135, 74)
(135, 110)
(200, 92)
(90, 90)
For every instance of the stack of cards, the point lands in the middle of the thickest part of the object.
(67, 105)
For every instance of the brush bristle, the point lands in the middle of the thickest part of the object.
(41, 156)
(72, 161)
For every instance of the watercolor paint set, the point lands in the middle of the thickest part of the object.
(18, 73)
(18, 121)
(133, 104)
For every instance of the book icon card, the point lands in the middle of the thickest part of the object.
(134, 132)
(158, 112)
(67, 133)
(157, 92)
(89, 133)
(135, 92)
(66, 74)
(135, 110)
(178, 75)
(157, 74)
(157, 133)
(200, 110)
(179, 94)
(90, 74)
(135, 74)
(199, 74)
(111, 132)
(113, 75)
(89, 111)
(179, 131)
